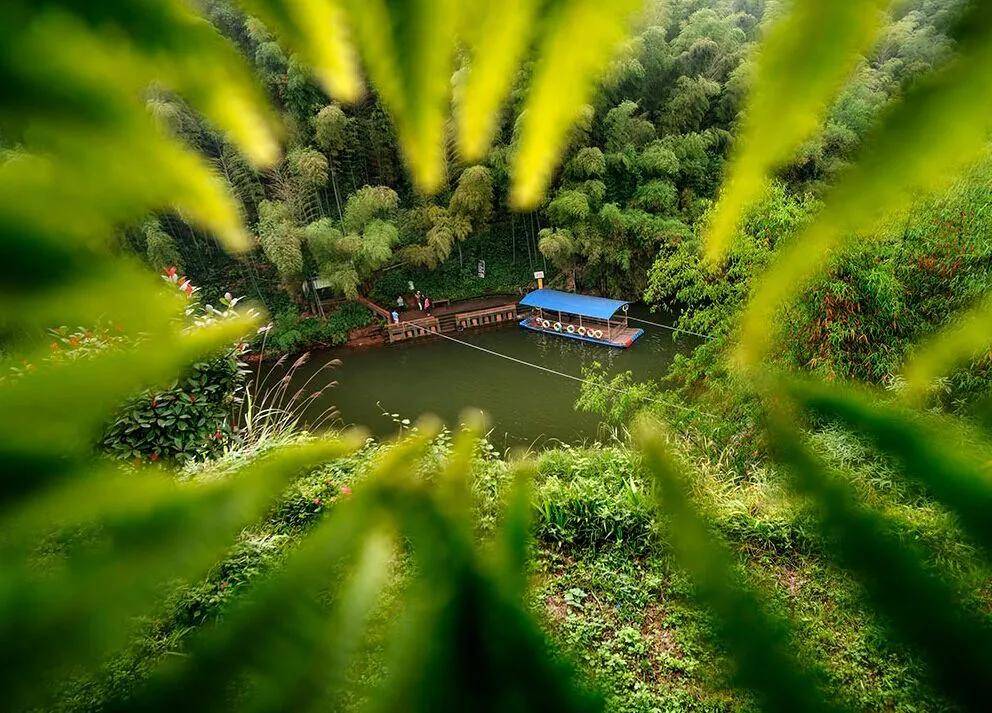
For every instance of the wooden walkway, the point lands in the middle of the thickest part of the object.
(449, 316)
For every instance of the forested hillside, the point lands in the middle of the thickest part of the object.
(639, 174)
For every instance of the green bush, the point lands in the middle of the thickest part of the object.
(591, 498)
(190, 421)
(291, 333)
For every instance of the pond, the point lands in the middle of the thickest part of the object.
(526, 407)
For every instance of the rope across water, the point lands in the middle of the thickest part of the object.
(669, 327)
(562, 374)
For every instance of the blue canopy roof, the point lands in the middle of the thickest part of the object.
(585, 305)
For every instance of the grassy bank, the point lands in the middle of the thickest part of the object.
(602, 580)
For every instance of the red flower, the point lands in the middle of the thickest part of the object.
(318, 502)
(55, 346)
(345, 490)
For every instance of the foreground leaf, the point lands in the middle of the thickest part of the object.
(923, 448)
(802, 63)
(941, 126)
(969, 336)
(923, 610)
(579, 39)
(758, 641)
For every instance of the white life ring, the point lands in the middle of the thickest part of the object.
(570, 329)
(557, 326)
(545, 323)
(582, 331)
(598, 334)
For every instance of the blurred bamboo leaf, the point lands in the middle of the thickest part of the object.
(922, 445)
(67, 403)
(940, 126)
(578, 40)
(802, 63)
(280, 631)
(969, 336)
(54, 620)
(758, 641)
(510, 545)
(409, 50)
(497, 34)
(923, 609)
(318, 31)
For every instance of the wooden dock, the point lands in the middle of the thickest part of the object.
(447, 317)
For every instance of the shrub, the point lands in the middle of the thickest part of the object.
(292, 333)
(591, 498)
(189, 421)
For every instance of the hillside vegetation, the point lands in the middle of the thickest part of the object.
(794, 516)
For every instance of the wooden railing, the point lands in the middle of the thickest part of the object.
(482, 318)
(381, 311)
(412, 329)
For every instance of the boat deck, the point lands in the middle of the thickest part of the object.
(622, 337)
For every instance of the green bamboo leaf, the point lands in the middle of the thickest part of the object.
(317, 30)
(969, 336)
(497, 34)
(74, 615)
(802, 63)
(758, 641)
(282, 625)
(408, 47)
(303, 681)
(105, 288)
(169, 44)
(941, 125)
(164, 174)
(505, 664)
(922, 445)
(580, 38)
(923, 610)
(513, 538)
(65, 85)
(68, 403)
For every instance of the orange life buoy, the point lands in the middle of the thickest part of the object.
(582, 331)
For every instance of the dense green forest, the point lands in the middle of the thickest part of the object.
(638, 175)
(793, 516)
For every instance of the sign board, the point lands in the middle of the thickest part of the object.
(539, 275)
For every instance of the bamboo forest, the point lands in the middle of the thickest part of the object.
(535, 355)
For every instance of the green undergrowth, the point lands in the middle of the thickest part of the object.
(291, 332)
(602, 580)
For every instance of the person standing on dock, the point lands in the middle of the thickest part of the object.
(427, 304)
(420, 300)
(396, 317)
(400, 304)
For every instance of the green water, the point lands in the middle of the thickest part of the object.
(525, 406)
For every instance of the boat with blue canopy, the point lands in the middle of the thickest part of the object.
(583, 317)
